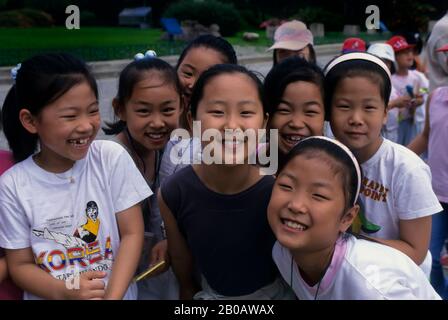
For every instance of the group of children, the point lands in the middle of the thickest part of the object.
(343, 218)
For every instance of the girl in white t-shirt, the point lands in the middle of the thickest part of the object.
(396, 198)
(70, 215)
(313, 204)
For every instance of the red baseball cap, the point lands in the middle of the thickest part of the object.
(399, 43)
(443, 49)
(353, 45)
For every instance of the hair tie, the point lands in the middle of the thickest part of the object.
(14, 71)
(148, 55)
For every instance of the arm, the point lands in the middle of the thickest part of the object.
(181, 258)
(130, 224)
(414, 239)
(28, 276)
(3, 269)
(420, 143)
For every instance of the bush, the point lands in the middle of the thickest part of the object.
(331, 20)
(207, 13)
(25, 18)
(88, 18)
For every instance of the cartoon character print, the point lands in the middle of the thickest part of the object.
(88, 231)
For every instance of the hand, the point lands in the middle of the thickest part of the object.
(417, 101)
(89, 287)
(403, 101)
(158, 253)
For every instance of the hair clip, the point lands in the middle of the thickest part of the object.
(14, 71)
(148, 55)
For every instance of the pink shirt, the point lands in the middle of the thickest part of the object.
(438, 135)
(8, 291)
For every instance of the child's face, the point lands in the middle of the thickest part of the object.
(195, 62)
(307, 204)
(231, 101)
(357, 115)
(67, 126)
(152, 112)
(405, 58)
(300, 114)
(282, 54)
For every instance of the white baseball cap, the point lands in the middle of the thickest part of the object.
(383, 51)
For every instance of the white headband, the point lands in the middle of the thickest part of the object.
(357, 56)
(348, 152)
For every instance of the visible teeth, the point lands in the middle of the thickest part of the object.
(155, 135)
(79, 141)
(293, 138)
(295, 225)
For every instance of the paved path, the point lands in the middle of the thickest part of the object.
(108, 89)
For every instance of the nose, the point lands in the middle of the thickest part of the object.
(85, 125)
(232, 122)
(296, 121)
(157, 121)
(356, 118)
(297, 205)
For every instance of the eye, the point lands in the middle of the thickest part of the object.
(94, 111)
(370, 108)
(320, 197)
(247, 113)
(168, 111)
(284, 186)
(68, 116)
(216, 112)
(187, 74)
(343, 107)
(142, 111)
(311, 113)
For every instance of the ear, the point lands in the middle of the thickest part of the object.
(385, 116)
(348, 218)
(29, 122)
(118, 110)
(266, 120)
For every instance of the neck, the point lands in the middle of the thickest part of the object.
(138, 152)
(313, 265)
(402, 71)
(368, 152)
(227, 179)
(52, 162)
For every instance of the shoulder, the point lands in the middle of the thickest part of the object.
(403, 159)
(383, 269)
(106, 152)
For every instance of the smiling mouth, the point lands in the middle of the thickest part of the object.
(156, 136)
(292, 138)
(294, 225)
(79, 143)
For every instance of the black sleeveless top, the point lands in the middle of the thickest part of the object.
(228, 235)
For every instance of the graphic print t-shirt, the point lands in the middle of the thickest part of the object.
(70, 223)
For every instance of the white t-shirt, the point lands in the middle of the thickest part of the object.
(71, 226)
(359, 270)
(396, 186)
(392, 115)
(418, 81)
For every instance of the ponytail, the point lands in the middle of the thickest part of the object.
(21, 141)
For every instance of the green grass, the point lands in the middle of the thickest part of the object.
(106, 43)
(92, 44)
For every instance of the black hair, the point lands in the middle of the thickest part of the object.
(355, 68)
(312, 58)
(133, 73)
(290, 70)
(218, 44)
(314, 147)
(219, 69)
(41, 80)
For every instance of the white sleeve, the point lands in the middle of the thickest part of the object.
(414, 197)
(128, 187)
(14, 224)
